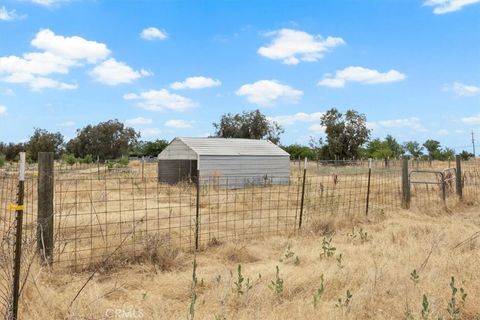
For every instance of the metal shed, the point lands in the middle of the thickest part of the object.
(225, 161)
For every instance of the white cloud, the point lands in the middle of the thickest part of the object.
(38, 83)
(48, 3)
(360, 75)
(443, 132)
(140, 121)
(446, 6)
(112, 72)
(11, 15)
(317, 128)
(40, 63)
(293, 46)
(58, 56)
(196, 83)
(472, 120)
(3, 109)
(463, 89)
(159, 100)
(297, 117)
(178, 124)
(8, 92)
(153, 34)
(73, 48)
(66, 124)
(409, 123)
(150, 132)
(268, 92)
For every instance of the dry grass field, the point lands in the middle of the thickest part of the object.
(374, 259)
(127, 240)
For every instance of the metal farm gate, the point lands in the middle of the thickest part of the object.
(429, 187)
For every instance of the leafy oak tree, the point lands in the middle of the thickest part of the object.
(345, 133)
(106, 140)
(44, 141)
(433, 148)
(248, 125)
(414, 149)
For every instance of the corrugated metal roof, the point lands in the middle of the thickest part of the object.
(233, 147)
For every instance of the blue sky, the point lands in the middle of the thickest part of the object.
(171, 68)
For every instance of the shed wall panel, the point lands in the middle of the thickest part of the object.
(237, 171)
(178, 150)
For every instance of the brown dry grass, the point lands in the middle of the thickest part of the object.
(377, 272)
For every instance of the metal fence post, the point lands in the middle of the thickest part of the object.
(302, 201)
(368, 185)
(98, 167)
(197, 212)
(458, 177)
(45, 207)
(406, 197)
(18, 237)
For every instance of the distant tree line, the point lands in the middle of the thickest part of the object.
(347, 136)
(104, 141)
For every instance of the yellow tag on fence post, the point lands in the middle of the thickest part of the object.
(15, 207)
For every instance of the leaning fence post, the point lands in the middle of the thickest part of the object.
(302, 201)
(18, 237)
(368, 185)
(458, 177)
(45, 207)
(406, 197)
(197, 211)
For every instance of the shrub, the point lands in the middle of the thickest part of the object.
(87, 159)
(3, 160)
(123, 161)
(69, 159)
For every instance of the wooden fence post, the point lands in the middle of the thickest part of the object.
(406, 197)
(458, 177)
(45, 207)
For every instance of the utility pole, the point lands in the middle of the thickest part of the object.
(473, 144)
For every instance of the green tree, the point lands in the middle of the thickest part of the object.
(150, 148)
(385, 149)
(11, 150)
(248, 125)
(106, 140)
(413, 148)
(378, 149)
(44, 141)
(465, 155)
(296, 151)
(433, 148)
(396, 148)
(346, 133)
(447, 154)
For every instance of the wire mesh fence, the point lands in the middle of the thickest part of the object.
(124, 211)
(94, 216)
(8, 229)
